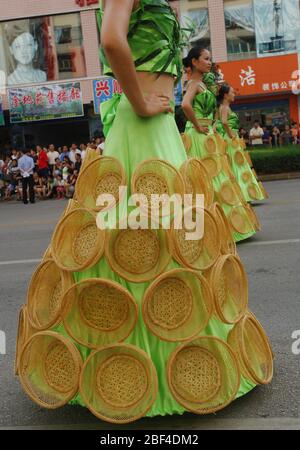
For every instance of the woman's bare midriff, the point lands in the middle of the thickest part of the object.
(153, 82)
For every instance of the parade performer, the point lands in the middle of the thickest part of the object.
(228, 127)
(199, 105)
(139, 322)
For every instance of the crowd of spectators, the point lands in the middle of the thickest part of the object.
(271, 137)
(46, 172)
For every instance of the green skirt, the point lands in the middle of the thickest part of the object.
(243, 173)
(132, 140)
(198, 150)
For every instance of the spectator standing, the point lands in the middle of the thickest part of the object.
(295, 134)
(65, 152)
(286, 136)
(256, 135)
(275, 137)
(267, 139)
(73, 152)
(78, 163)
(52, 155)
(14, 154)
(26, 166)
(43, 167)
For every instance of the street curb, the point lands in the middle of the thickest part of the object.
(279, 176)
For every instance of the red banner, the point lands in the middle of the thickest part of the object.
(261, 75)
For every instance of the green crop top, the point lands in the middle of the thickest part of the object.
(233, 123)
(204, 105)
(154, 38)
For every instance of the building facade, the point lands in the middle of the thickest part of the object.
(51, 75)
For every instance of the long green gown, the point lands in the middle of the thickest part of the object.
(245, 177)
(132, 140)
(204, 106)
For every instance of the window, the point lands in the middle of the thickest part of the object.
(197, 12)
(240, 29)
(41, 49)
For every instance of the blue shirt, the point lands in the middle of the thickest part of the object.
(63, 155)
(26, 165)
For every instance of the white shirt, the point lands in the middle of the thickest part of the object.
(73, 153)
(52, 157)
(26, 166)
(257, 132)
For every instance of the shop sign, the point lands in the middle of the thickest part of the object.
(103, 90)
(261, 75)
(48, 102)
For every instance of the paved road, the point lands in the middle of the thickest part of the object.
(272, 260)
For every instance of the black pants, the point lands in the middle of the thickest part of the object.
(25, 183)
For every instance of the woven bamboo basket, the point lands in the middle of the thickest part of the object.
(119, 383)
(243, 143)
(220, 142)
(159, 178)
(47, 254)
(235, 142)
(197, 180)
(226, 167)
(45, 293)
(252, 349)
(90, 156)
(246, 177)
(213, 165)
(187, 142)
(25, 331)
(49, 369)
(210, 145)
(227, 194)
(229, 284)
(253, 191)
(104, 175)
(253, 217)
(198, 254)
(203, 375)
(254, 173)
(248, 158)
(177, 305)
(253, 316)
(228, 245)
(239, 220)
(77, 242)
(99, 312)
(266, 194)
(239, 158)
(137, 255)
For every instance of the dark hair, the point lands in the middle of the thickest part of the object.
(194, 53)
(224, 89)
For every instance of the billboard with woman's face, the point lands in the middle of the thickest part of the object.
(42, 49)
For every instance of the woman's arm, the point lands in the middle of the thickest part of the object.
(114, 32)
(187, 106)
(224, 113)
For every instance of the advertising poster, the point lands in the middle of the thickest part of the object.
(55, 101)
(277, 26)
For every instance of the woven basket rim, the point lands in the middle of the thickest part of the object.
(244, 356)
(172, 274)
(97, 254)
(216, 273)
(76, 358)
(67, 303)
(217, 161)
(234, 361)
(87, 168)
(30, 293)
(246, 219)
(139, 278)
(162, 162)
(175, 246)
(21, 333)
(151, 370)
(206, 181)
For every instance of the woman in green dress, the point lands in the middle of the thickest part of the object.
(200, 105)
(151, 335)
(228, 127)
